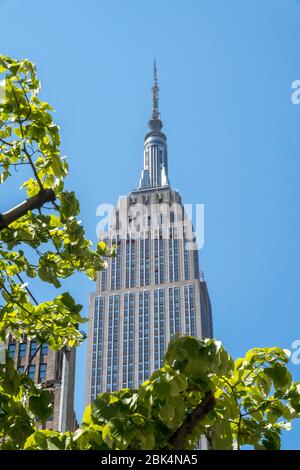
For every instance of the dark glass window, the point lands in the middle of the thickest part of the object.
(21, 369)
(31, 372)
(43, 371)
(12, 350)
(33, 347)
(22, 350)
(44, 349)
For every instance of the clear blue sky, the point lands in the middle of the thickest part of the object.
(225, 73)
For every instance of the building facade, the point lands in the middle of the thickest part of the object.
(55, 371)
(153, 288)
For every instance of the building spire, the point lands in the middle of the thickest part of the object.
(155, 94)
(155, 171)
(155, 123)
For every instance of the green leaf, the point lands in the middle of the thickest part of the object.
(162, 389)
(222, 436)
(279, 375)
(41, 405)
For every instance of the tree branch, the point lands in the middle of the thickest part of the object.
(206, 405)
(32, 357)
(34, 202)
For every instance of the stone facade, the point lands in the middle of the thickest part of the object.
(48, 368)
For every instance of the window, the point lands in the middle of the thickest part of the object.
(161, 259)
(115, 282)
(144, 262)
(21, 369)
(33, 347)
(186, 261)
(96, 379)
(103, 282)
(130, 263)
(128, 341)
(174, 310)
(156, 330)
(44, 349)
(144, 335)
(113, 343)
(12, 350)
(31, 372)
(22, 350)
(42, 371)
(190, 322)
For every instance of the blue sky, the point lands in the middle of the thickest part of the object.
(225, 74)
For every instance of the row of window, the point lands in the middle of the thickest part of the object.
(189, 307)
(115, 280)
(97, 358)
(130, 264)
(155, 153)
(145, 262)
(159, 327)
(173, 260)
(159, 261)
(144, 336)
(23, 348)
(125, 351)
(32, 369)
(155, 198)
(186, 261)
(128, 341)
(113, 343)
(174, 310)
(142, 275)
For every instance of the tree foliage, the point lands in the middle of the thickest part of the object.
(199, 390)
(246, 402)
(49, 242)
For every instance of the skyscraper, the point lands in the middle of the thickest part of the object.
(153, 288)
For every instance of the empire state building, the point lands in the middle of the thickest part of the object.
(153, 288)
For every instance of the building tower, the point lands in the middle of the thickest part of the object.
(153, 288)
